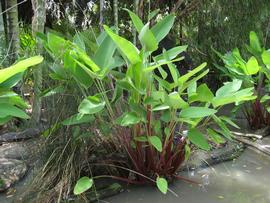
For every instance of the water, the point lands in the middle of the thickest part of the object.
(244, 180)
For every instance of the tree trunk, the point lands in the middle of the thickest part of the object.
(38, 23)
(12, 29)
(115, 14)
(2, 36)
(134, 31)
(101, 18)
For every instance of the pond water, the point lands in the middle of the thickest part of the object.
(244, 180)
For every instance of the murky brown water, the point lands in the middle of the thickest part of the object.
(245, 180)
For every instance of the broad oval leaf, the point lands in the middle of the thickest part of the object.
(156, 142)
(252, 66)
(196, 112)
(91, 105)
(82, 185)
(162, 185)
(198, 139)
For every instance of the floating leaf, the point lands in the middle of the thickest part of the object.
(82, 185)
(162, 185)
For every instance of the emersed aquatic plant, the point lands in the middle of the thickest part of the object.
(151, 120)
(255, 73)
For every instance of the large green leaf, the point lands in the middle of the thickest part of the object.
(129, 118)
(10, 110)
(162, 185)
(82, 185)
(126, 47)
(148, 39)
(19, 67)
(198, 139)
(156, 142)
(91, 105)
(103, 56)
(163, 27)
(196, 112)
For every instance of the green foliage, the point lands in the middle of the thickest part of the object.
(141, 105)
(252, 74)
(11, 104)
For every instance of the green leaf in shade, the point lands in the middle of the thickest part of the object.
(140, 139)
(163, 27)
(82, 185)
(5, 120)
(156, 142)
(229, 121)
(153, 14)
(264, 98)
(148, 39)
(129, 118)
(10, 110)
(252, 66)
(215, 137)
(162, 185)
(91, 105)
(187, 152)
(126, 47)
(196, 112)
(78, 119)
(198, 139)
(255, 42)
(19, 67)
